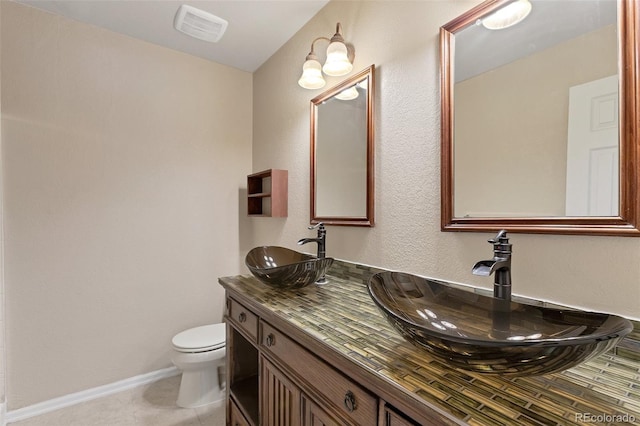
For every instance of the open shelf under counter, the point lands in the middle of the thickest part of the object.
(245, 393)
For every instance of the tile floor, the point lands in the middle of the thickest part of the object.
(149, 405)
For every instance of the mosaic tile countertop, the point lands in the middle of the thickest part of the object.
(341, 314)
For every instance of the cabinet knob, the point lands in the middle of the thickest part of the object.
(350, 401)
(242, 317)
(271, 340)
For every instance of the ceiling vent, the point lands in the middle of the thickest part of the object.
(199, 24)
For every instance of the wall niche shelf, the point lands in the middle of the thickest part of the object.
(267, 193)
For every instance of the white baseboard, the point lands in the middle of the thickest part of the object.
(87, 395)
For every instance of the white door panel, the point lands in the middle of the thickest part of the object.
(592, 149)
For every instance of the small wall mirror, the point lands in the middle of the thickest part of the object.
(539, 119)
(342, 146)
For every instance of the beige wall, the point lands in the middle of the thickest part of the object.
(401, 39)
(514, 119)
(122, 162)
(2, 308)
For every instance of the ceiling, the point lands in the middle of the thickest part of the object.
(257, 28)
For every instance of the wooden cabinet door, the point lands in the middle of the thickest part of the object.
(280, 398)
(313, 415)
(320, 378)
(394, 419)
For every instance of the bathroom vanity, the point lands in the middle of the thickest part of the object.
(325, 355)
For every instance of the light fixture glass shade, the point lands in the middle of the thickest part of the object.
(507, 16)
(311, 75)
(348, 94)
(337, 62)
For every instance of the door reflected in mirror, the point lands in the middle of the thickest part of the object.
(342, 153)
(531, 117)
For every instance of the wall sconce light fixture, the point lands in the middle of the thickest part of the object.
(339, 61)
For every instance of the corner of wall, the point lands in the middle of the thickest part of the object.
(3, 400)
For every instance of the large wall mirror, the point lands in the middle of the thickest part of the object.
(342, 146)
(540, 119)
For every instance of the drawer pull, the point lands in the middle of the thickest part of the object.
(242, 317)
(350, 402)
(271, 340)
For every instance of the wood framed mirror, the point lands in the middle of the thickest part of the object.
(511, 128)
(342, 153)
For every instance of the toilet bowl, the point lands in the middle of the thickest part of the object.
(200, 354)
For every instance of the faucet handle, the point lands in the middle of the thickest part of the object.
(317, 225)
(501, 246)
(501, 238)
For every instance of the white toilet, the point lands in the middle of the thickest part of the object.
(200, 354)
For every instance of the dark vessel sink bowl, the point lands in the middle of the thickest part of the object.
(468, 331)
(284, 268)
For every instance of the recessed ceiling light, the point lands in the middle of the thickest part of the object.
(199, 24)
(507, 16)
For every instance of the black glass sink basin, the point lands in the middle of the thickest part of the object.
(284, 268)
(468, 331)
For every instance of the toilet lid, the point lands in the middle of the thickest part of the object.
(203, 338)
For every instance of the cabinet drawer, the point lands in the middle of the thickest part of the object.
(246, 320)
(344, 395)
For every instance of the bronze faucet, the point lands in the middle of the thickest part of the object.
(321, 239)
(500, 265)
